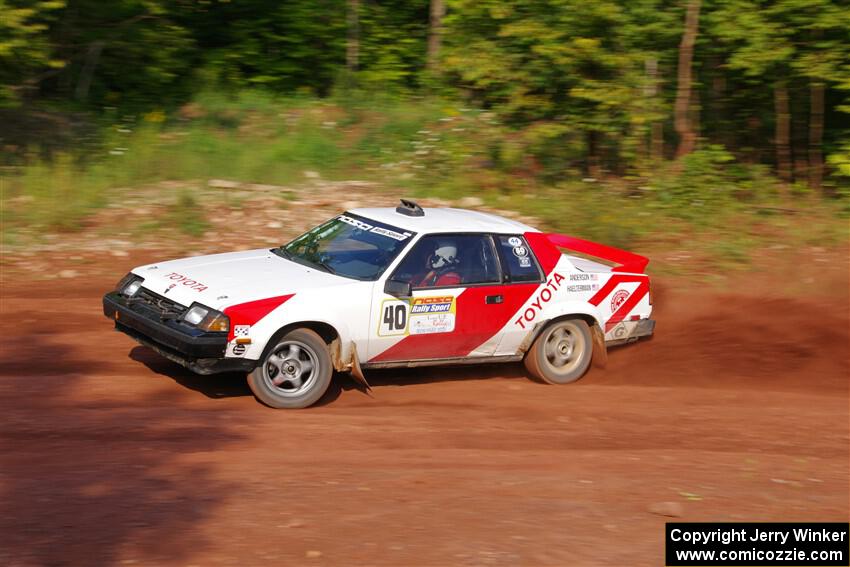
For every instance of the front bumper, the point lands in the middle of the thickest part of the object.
(199, 351)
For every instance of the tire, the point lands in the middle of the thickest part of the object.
(561, 353)
(295, 373)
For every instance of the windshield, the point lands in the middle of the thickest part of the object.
(348, 245)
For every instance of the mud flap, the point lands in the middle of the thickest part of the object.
(600, 351)
(356, 371)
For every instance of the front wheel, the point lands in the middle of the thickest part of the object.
(295, 373)
(562, 352)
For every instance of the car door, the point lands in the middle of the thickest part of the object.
(458, 306)
(523, 277)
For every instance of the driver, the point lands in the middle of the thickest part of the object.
(441, 267)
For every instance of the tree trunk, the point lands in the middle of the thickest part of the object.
(593, 169)
(682, 119)
(816, 135)
(720, 105)
(783, 131)
(656, 133)
(352, 48)
(799, 100)
(87, 72)
(435, 34)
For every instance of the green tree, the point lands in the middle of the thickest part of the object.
(25, 50)
(393, 43)
(574, 65)
(282, 46)
(822, 41)
(758, 46)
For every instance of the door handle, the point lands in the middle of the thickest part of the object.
(490, 299)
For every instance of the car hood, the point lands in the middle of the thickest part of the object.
(222, 280)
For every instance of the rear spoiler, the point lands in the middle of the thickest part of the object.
(547, 245)
(626, 261)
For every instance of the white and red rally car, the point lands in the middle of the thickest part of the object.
(383, 287)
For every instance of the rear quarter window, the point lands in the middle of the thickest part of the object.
(518, 262)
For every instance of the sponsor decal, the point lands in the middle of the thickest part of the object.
(375, 229)
(618, 299)
(515, 241)
(432, 315)
(187, 281)
(391, 233)
(356, 223)
(417, 316)
(431, 304)
(241, 330)
(238, 350)
(543, 297)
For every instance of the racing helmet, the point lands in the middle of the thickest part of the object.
(444, 255)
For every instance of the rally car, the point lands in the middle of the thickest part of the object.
(388, 287)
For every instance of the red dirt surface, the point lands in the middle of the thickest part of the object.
(109, 455)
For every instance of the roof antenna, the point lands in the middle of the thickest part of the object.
(409, 208)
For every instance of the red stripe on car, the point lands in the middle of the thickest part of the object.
(251, 312)
(631, 301)
(546, 248)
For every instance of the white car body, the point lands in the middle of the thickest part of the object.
(262, 293)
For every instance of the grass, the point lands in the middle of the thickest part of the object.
(430, 148)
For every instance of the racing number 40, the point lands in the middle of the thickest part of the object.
(395, 317)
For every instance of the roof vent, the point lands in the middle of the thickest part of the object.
(409, 208)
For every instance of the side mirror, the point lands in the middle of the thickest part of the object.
(398, 288)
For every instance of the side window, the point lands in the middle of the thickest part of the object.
(441, 260)
(519, 262)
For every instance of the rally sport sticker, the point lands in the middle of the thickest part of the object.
(417, 316)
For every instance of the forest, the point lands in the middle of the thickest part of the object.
(689, 101)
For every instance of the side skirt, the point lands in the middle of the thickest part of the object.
(442, 361)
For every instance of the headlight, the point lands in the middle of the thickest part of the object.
(129, 285)
(195, 315)
(207, 319)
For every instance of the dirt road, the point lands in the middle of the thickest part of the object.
(109, 455)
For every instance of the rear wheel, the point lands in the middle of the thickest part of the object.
(295, 372)
(562, 352)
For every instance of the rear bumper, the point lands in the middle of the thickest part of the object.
(198, 351)
(630, 331)
(644, 328)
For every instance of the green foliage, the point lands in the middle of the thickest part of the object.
(24, 44)
(392, 44)
(282, 46)
(429, 148)
(571, 89)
